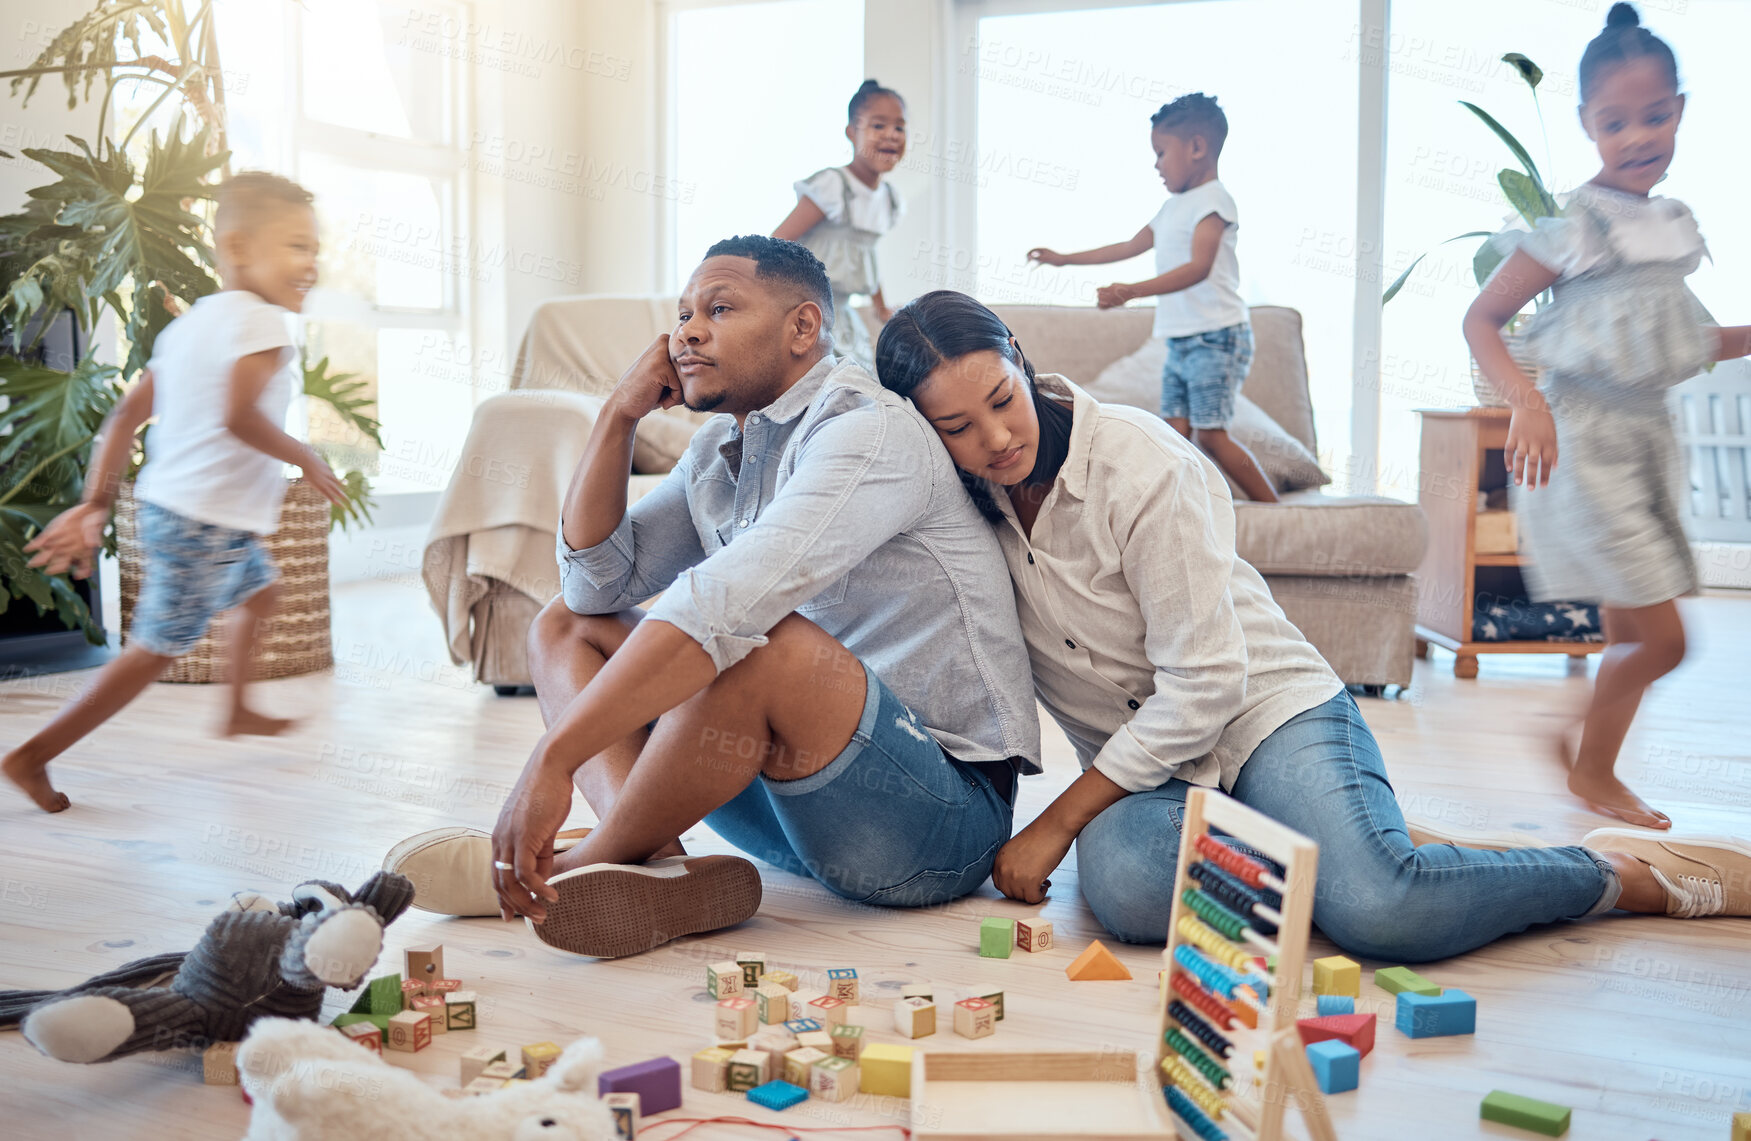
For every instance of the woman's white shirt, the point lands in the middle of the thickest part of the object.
(1158, 651)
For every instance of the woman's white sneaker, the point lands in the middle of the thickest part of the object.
(1702, 875)
(451, 869)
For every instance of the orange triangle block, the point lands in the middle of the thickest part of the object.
(1096, 963)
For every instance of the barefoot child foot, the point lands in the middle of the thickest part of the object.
(1599, 788)
(247, 722)
(32, 778)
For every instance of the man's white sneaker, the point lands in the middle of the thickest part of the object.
(1702, 875)
(451, 869)
(611, 910)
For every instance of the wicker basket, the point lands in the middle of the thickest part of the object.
(295, 640)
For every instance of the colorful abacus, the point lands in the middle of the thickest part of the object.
(1237, 909)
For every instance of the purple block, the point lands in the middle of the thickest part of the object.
(656, 1082)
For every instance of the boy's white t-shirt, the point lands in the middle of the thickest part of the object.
(875, 209)
(194, 465)
(1213, 303)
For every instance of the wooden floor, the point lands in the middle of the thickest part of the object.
(1642, 1025)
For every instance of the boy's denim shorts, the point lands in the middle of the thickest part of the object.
(892, 821)
(194, 571)
(1202, 374)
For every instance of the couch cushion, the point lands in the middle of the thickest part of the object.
(1311, 533)
(1076, 341)
(1278, 380)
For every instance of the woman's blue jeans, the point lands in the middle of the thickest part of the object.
(1378, 895)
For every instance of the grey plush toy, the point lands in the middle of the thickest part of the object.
(257, 959)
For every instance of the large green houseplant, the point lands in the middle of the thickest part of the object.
(120, 234)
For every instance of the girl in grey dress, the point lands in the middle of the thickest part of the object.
(1604, 525)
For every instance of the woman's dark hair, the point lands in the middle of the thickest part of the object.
(1623, 39)
(943, 326)
(869, 90)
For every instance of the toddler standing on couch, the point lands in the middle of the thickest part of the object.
(219, 381)
(1198, 309)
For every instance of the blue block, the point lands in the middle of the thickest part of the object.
(1336, 1004)
(802, 1025)
(1337, 1066)
(777, 1095)
(1436, 1015)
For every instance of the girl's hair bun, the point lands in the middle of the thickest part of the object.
(1622, 16)
(872, 85)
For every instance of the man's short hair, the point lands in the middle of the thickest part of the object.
(792, 263)
(248, 199)
(1194, 114)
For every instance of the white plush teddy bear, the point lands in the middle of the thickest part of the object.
(309, 1083)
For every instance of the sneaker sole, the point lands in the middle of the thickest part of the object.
(1422, 833)
(609, 911)
(475, 900)
(1642, 842)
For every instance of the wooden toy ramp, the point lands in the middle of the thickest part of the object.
(1228, 1053)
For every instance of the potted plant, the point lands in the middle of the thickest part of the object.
(121, 230)
(1530, 198)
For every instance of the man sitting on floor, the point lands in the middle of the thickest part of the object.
(834, 678)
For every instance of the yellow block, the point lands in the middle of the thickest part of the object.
(1337, 975)
(887, 1070)
(1741, 1126)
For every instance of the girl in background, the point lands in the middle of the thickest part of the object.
(1622, 330)
(842, 211)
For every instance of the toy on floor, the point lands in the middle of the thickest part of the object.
(257, 959)
(1096, 963)
(1356, 1030)
(1525, 1113)
(1436, 1016)
(996, 938)
(656, 1082)
(1336, 1066)
(308, 1084)
(625, 1108)
(1033, 935)
(1330, 1004)
(1337, 975)
(777, 1095)
(1392, 980)
(1237, 937)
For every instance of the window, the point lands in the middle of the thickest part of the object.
(361, 103)
(756, 101)
(1062, 155)
(1442, 164)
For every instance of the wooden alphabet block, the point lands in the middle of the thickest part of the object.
(996, 938)
(924, 991)
(975, 1018)
(802, 1025)
(737, 1018)
(443, 987)
(432, 1007)
(426, 963)
(1742, 1127)
(365, 1034)
(842, 985)
(505, 1071)
(747, 1069)
(1335, 974)
(482, 1085)
(826, 1010)
(723, 980)
(753, 965)
(798, 1062)
(886, 1070)
(834, 1079)
(475, 1061)
(995, 998)
(409, 1032)
(624, 1108)
(219, 1064)
(915, 1017)
(410, 990)
(847, 1041)
(1033, 935)
(818, 1039)
(781, 978)
(772, 1003)
(461, 1010)
(711, 1069)
(537, 1057)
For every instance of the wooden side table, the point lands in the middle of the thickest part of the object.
(1457, 443)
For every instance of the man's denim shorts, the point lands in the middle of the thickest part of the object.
(194, 571)
(891, 821)
(1202, 374)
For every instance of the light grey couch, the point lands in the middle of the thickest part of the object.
(1340, 567)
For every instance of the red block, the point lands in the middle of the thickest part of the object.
(1355, 1029)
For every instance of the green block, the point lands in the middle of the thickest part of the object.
(1394, 980)
(1525, 1113)
(996, 938)
(384, 995)
(380, 1021)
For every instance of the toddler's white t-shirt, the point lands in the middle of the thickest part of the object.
(875, 209)
(194, 465)
(1213, 303)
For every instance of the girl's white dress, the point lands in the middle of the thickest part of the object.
(1623, 329)
(845, 240)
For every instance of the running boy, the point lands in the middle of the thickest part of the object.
(219, 382)
(1198, 308)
